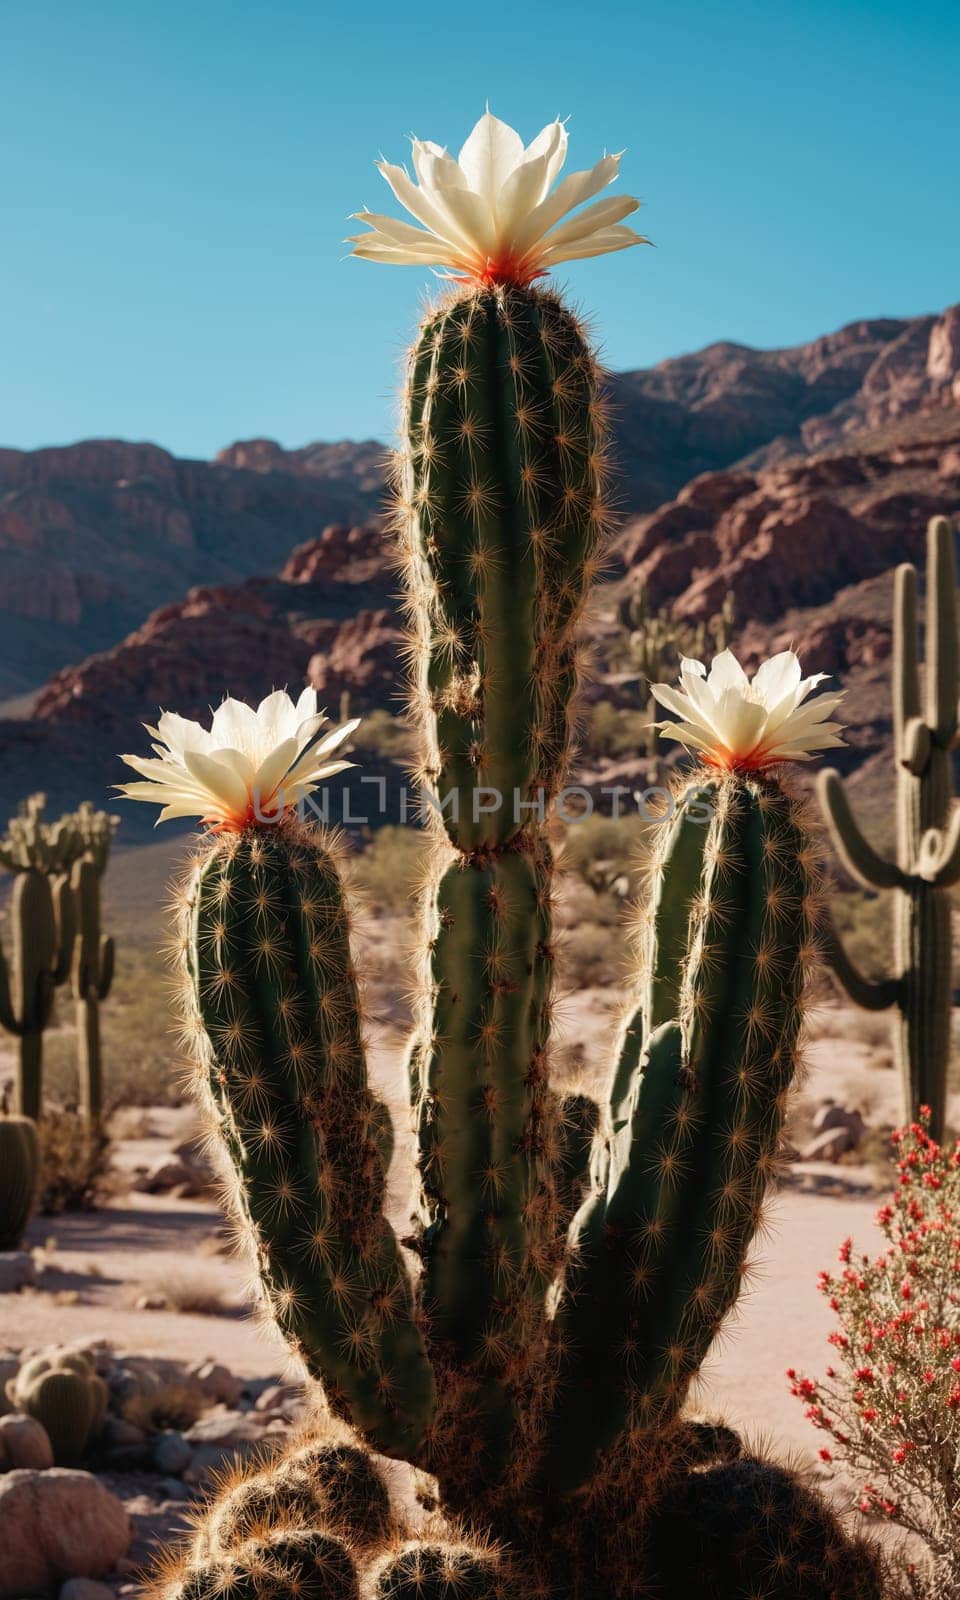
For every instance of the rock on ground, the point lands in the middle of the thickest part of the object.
(24, 1442)
(57, 1524)
(17, 1270)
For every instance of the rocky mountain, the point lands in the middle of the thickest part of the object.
(94, 536)
(831, 458)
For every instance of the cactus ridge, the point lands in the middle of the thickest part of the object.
(927, 859)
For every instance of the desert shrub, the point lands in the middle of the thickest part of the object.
(614, 733)
(617, 841)
(384, 734)
(74, 1160)
(390, 869)
(165, 1405)
(863, 921)
(891, 1406)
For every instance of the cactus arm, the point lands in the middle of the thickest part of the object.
(663, 962)
(858, 856)
(938, 860)
(906, 668)
(64, 907)
(105, 967)
(941, 632)
(915, 746)
(283, 1076)
(8, 1015)
(870, 994)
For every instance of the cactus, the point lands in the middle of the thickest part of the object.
(310, 1566)
(439, 1571)
(91, 977)
(53, 847)
(749, 1528)
(19, 1174)
(42, 919)
(64, 1392)
(575, 1260)
(927, 862)
(281, 1072)
(699, 1095)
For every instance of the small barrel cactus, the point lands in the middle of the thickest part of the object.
(63, 1391)
(438, 1571)
(19, 1175)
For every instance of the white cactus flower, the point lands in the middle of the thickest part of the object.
(743, 724)
(492, 215)
(250, 766)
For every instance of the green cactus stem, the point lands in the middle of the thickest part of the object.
(282, 1072)
(19, 1173)
(91, 977)
(501, 517)
(658, 1254)
(927, 859)
(42, 924)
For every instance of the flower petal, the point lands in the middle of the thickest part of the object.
(489, 155)
(776, 678)
(219, 781)
(572, 191)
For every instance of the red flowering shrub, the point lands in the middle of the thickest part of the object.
(891, 1404)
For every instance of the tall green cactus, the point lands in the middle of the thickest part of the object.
(41, 915)
(91, 977)
(524, 1363)
(927, 860)
(501, 517)
(568, 1263)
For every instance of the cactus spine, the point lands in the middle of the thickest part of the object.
(19, 1172)
(927, 862)
(42, 922)
(92, 975)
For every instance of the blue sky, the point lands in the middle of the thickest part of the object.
(175, 180)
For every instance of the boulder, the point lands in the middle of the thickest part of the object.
(830, 1115)
(85, 1589)
(17, 1270)
(57, 1524)
(216, 1381)
(24, 1442)
(171, 1453)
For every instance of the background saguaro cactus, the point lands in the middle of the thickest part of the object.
(72, 851)
(91, 977)
(41, 916)
(927, 859)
